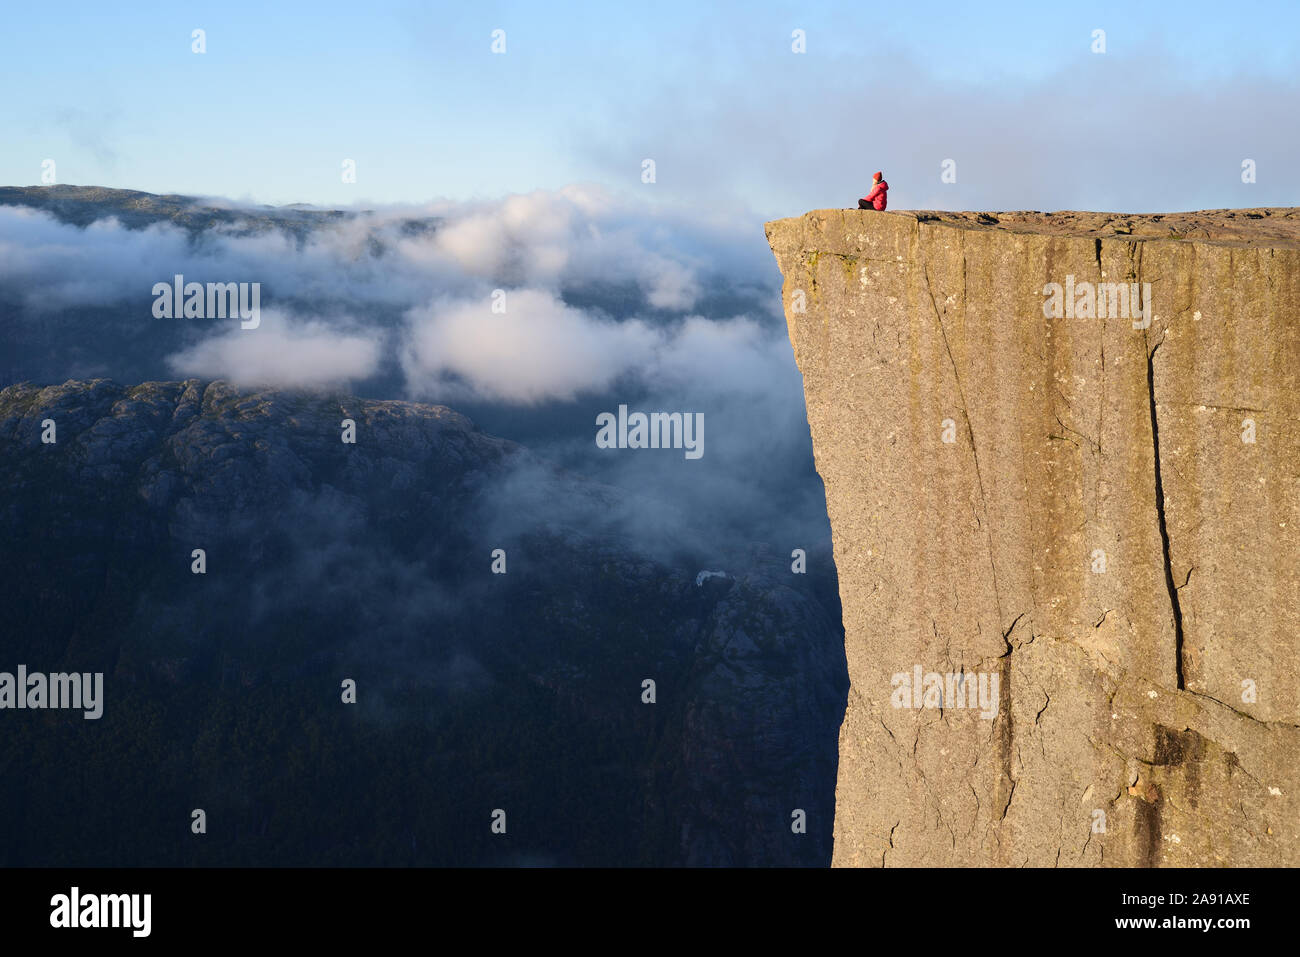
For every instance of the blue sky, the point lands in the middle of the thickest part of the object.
(713, 93)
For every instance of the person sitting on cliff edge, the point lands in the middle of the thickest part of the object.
(876, 198)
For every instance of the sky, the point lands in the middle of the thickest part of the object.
(734, 119)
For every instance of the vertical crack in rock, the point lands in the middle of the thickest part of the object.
(1164, 525)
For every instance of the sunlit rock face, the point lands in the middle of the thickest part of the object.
(1061, 458)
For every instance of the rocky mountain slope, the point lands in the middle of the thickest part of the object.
(372, 561)
(82, 205)
(1060, 451)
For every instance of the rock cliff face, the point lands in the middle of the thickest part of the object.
(1085, 498)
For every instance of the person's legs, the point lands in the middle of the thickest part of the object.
(863, 204)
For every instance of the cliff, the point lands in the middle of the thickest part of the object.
(1081, 498)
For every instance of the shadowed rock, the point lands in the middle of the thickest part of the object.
(372, 561)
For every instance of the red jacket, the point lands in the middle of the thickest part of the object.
(877, 195)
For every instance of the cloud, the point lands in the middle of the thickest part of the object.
(90, 130)
(49, 265)
(597, 288)
(670, 285)
(281, 351)
(608, 301)
(539, 348)
(1101, 132)
(736, 356)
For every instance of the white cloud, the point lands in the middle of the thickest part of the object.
(539, 348)
(281, 351)
(367, 293)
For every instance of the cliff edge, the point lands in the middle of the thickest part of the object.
(1061, 460)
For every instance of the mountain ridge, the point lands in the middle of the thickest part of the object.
(374, 561)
